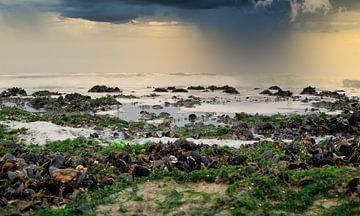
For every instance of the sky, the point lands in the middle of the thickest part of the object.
(307, 38)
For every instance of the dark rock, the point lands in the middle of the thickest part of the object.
(213, 165)
(264, 126)
(147, 115)
(164, 115)
(8, 157)
(238, 160)
(291, 148)
(196, 156)
(354, 118)
(12, 92)
(244, 134)
(12, 176)
(32, 172)
(275, 88)
(196, 88)
(231, 90)
(31, 158)
(184, 144)
(192, 117)
(241, 116)
(180, 90)
(73, 103)
(94, 135)
(140, 171)
(279, 93)
(345, 149)
(45, 93)
(324, 162)
(354, 184)
(183, 166)
(58, 161)
(309, 90)
(103, 89)
(29, 193)
(300, 165)
(331, 94)
(282, 93)
(160, 90)
(266, 92)
(157, 107)
(225, 89)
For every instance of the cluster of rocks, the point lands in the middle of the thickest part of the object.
(172, 89)
(196, 88)
(45, 93)
(44, 179)
(74, 102)
(277, 91)
(190, 101)
(334, 152)
(13, 92)
(225, 89)
(331, 94)
(104, 89)
(314, 125)
(30, 180)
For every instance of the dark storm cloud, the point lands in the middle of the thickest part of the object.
(126, 10)
(252, 17)
(119, 11)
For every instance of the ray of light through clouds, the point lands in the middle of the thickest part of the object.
(292, 38)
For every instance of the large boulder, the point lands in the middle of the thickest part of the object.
(309, 91)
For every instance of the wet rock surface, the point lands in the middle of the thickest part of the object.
(104, 89)
(74, 102)
(309, 91)
(12, 92)
(45, 93)
(277, 91)
(198, 88)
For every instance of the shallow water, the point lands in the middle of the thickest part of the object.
(141, 85)
(140, 81)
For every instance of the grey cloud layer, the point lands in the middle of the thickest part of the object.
(126, 10)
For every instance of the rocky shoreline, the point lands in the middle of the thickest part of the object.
(91, 171)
